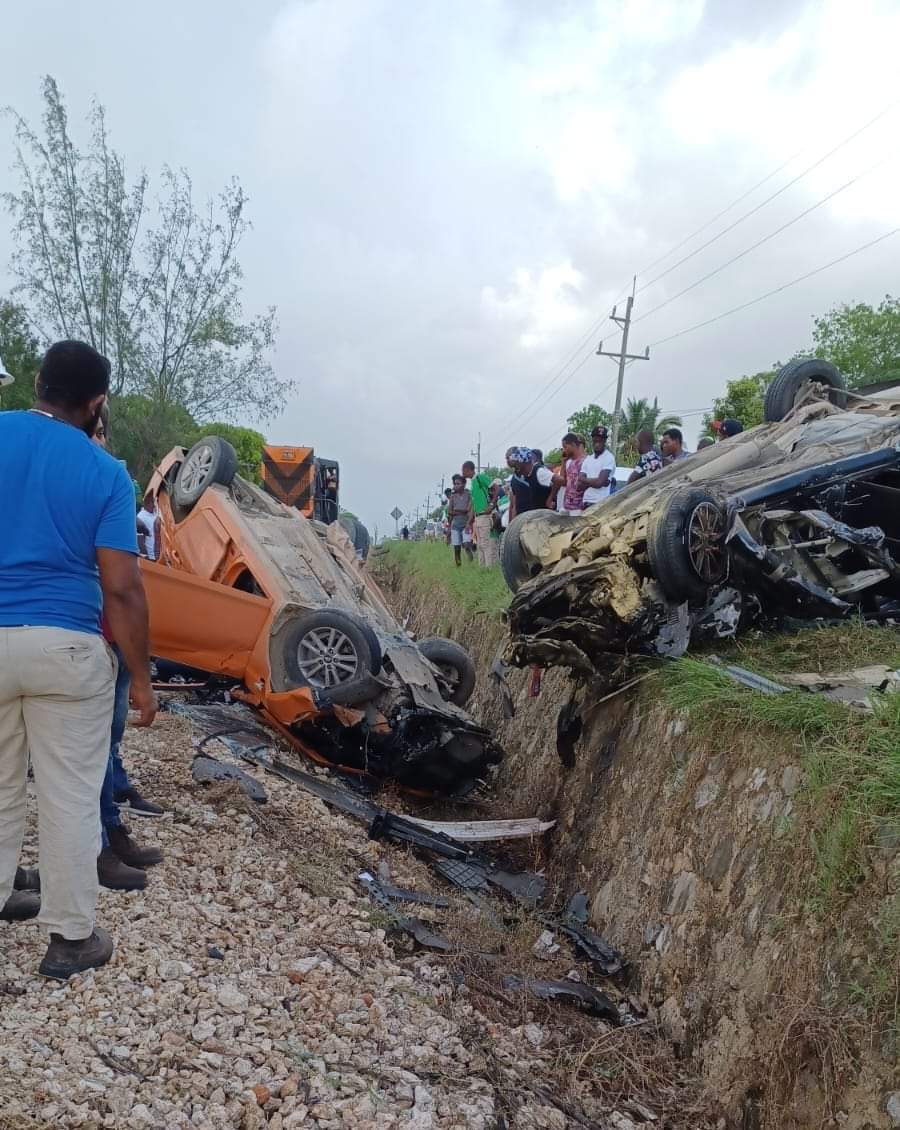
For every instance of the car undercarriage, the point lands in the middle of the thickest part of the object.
(794, 519)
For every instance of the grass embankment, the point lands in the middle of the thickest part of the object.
(850, 801)
(473, 588)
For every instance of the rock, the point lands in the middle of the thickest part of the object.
(174, 970)
(892, 1107)
(719, 862)
(215, 953)
(684, 891)
(262, 1092)
(706, 793)
(232, 1000)
(296, 977)
(791, 780)
(368, 1000)
(205, 1030)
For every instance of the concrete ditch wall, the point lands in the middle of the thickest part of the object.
(687, 850)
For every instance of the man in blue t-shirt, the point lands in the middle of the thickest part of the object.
(69, 543)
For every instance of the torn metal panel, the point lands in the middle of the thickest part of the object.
(420, 931)
(206, 770)
(854, 688)
(470, 831)
(751, 680)
(574, 992)
(605, 958)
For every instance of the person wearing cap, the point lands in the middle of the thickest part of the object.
(530, 483)
(706, 441)
(597, 469)
(729, 427)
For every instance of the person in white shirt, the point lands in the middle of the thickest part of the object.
(148, 519)
(597, 469)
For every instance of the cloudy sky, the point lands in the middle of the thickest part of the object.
(448, 198)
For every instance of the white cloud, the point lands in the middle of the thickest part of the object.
(542, 308)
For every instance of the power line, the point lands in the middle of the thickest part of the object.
(777, 290)
(718, 216)
(769, 199)
(765, 239)
(591, 332)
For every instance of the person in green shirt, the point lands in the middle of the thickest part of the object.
(480, 489)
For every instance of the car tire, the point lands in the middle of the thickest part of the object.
(349, 641)
(455, 663)
(211, 460)
(516, 566)
(686, 545)
(791, 383)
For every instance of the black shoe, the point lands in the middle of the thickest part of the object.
(130, 852)
(21, 905)
(63, 958)
(139, 805)
(116, 875)
(27, 879)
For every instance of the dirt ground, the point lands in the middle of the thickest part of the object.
(253, 985)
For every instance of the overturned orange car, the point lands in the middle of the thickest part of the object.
(248, 588)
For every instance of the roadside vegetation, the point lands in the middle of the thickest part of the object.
(477, 590)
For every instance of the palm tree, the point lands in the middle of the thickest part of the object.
(638, 416)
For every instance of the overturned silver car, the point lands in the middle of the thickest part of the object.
(799, 517)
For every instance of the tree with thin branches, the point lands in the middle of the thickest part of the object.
(154, 283)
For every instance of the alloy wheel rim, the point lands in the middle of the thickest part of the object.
(327, 658)
(706, 542)
(197, 468)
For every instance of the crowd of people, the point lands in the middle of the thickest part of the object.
(74, 655)
(478, 508)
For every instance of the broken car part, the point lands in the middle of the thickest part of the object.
(796, 518)
(584, 996)
(207, 769)
(249, 589)
(605, 958)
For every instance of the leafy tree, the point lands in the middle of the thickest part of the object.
(862, 340)
(585, 419)
(743, 400)
(154, 286)
(141, 431)
(21, 355)
(638, 416)
(246, 442)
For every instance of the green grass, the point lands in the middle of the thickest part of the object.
(851, 762)
(834, 648)
(476, 590)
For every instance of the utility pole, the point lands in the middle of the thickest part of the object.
(477, 454)
(622, 356)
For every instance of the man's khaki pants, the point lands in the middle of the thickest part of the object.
(488, 547)
(56, 703)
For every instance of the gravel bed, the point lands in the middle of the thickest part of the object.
(252, 986)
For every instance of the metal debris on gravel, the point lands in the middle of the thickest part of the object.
(251, 986)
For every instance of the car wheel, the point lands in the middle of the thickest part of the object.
(210, 460)
(793, 382)
(455, 664)
(686, 545)
(516, 564)
(332, 653)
